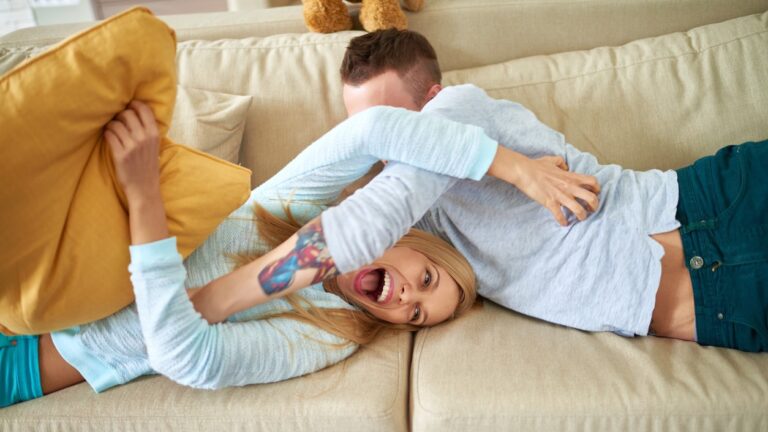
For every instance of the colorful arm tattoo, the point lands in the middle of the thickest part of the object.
(310, 252)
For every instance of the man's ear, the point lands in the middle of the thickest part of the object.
(433, 91)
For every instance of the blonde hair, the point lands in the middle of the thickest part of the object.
(360, 326)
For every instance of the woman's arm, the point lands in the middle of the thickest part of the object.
(180, 344)
(135, 144)
(300, 261)
(184, 347)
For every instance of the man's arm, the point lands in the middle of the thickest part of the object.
(427, 141)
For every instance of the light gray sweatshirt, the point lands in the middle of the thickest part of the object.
(601, 274)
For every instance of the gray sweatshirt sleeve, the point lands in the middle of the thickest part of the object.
(365, 225)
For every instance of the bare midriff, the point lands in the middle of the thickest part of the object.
(674, 315)
(55, 372)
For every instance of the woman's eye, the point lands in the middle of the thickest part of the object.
(427, 278)
(416, 313)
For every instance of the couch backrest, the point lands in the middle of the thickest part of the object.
(658, 102)
(466, 33)
(293, 78)
(653, 103)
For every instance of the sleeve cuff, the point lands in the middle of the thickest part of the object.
(155, 251)
(485, 154)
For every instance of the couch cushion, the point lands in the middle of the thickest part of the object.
(210, 121)
(466, 33)
(658, 102)
(495, 370)
(653, 103)
(294, 81)
(60, 201)
(368, 391)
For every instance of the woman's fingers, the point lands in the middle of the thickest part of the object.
(145, 115)
(589, 182)
(131, 121)
(114, 143)
(571, 204)
(557, 212)
(588, 197)
(119, 129)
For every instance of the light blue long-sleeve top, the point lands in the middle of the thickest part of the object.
(601, 274)
(162, 333)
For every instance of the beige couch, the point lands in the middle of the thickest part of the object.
(654, 103)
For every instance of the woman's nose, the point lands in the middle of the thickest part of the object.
(405, 294)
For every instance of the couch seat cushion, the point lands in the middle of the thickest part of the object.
(368, 391)
(653, 103)
(496, 370)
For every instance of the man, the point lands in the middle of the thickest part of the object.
(600, 274)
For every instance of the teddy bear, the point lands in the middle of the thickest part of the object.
(328, 16)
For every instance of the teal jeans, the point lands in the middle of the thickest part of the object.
(723, 210)
(19, 369)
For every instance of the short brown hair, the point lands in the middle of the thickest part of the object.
(406, 52)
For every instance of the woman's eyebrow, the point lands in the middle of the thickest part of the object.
(437, 278)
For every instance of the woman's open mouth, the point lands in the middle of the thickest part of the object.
(375, 284)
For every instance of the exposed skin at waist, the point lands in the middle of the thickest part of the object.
(55, 372)
(674, 313)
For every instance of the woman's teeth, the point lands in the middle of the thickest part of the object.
(385, 289)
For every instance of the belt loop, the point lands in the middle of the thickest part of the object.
(700, 225)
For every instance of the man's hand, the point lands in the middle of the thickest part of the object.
(548, 182)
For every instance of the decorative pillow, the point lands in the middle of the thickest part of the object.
(294, 80)
(654, 103)
(210, 121)
(10, 57)
(64, 245)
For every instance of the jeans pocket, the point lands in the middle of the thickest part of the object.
(748, 337)
(728, 166)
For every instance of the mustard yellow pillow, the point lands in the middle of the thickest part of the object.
(64, 244)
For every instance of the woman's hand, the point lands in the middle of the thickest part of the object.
(135, 145)
(547, 181)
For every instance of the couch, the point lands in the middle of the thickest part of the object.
(661, 99)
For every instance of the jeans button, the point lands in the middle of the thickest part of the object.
(697, 262)
(720, 315)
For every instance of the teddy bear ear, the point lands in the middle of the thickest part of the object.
(326, 16)
(382, 15)
(413, 5)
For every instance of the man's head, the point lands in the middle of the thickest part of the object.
(389, 67)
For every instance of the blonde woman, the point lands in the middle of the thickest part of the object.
(325, 312)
